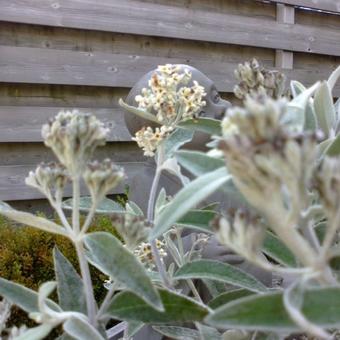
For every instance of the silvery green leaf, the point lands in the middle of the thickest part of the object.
(177, 308)
(31, 220)
(133, 208)
(323, 146)
(208, 333)
(177, 138)
(273, 247)
(296, 109)
(310, 118)
(179, 333)
(229, 296)
(333, 78)
(161, 201)
(215, 288)
(324, 108)
(171, 166)
(236, 334)
(219, 271)
(108, 254)
(198, 163)
(81, 330)
(21, 296)
(69, 282)
(138, 112)
(266, 312)
(133, 327)
(207, 125)
(106, 206)
(45, 307)
(198, 219)
(187, 198)
(35, 333)
(297, 88)
(333, 149)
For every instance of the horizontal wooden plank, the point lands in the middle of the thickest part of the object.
(23, 124)
(46, 95)
(137, 17)
(323, 5)
(13, 187)
(23, 153)
(34, 65)
(139, 177)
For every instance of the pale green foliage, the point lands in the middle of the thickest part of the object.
(270, 160)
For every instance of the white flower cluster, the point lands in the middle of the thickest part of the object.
(170, 101)
(145, 255)
(148, 139)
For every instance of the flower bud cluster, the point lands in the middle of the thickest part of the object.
(101, 177)
(242, 233)
(133, 229)
(50, 179)
(255, 79)
(73, 137)
(265, 157)
(170, 101)
(144, 253)
(149, 139)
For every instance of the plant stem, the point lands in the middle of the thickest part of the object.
(107, 299)
(83, 264)
(89, 219)
(150, 217)
(300, 248)
(194, 290)
(75, 211)
(85, 273)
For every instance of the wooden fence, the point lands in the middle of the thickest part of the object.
(87, 54)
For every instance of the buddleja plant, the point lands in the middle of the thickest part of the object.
(267, 152)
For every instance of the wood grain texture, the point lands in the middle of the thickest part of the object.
(22, 153)
(139, 176)
(23, 124)
(324, 5)
(13, 187)
(142, 18)
(33, 65)
(284, 14)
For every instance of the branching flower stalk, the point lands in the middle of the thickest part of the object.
(73, 136)
(150, 215)
(166, 101)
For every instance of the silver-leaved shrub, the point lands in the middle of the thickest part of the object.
(280, 154)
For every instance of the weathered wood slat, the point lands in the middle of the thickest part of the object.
(139, 177)
(136, 17)
(324, 5)
(13, 187)
(45, 66)
(34, 65)
(24, 153)
(23, 124)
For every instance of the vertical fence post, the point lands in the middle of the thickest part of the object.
(285, 15)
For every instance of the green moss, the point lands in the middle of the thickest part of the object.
(26, 258)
